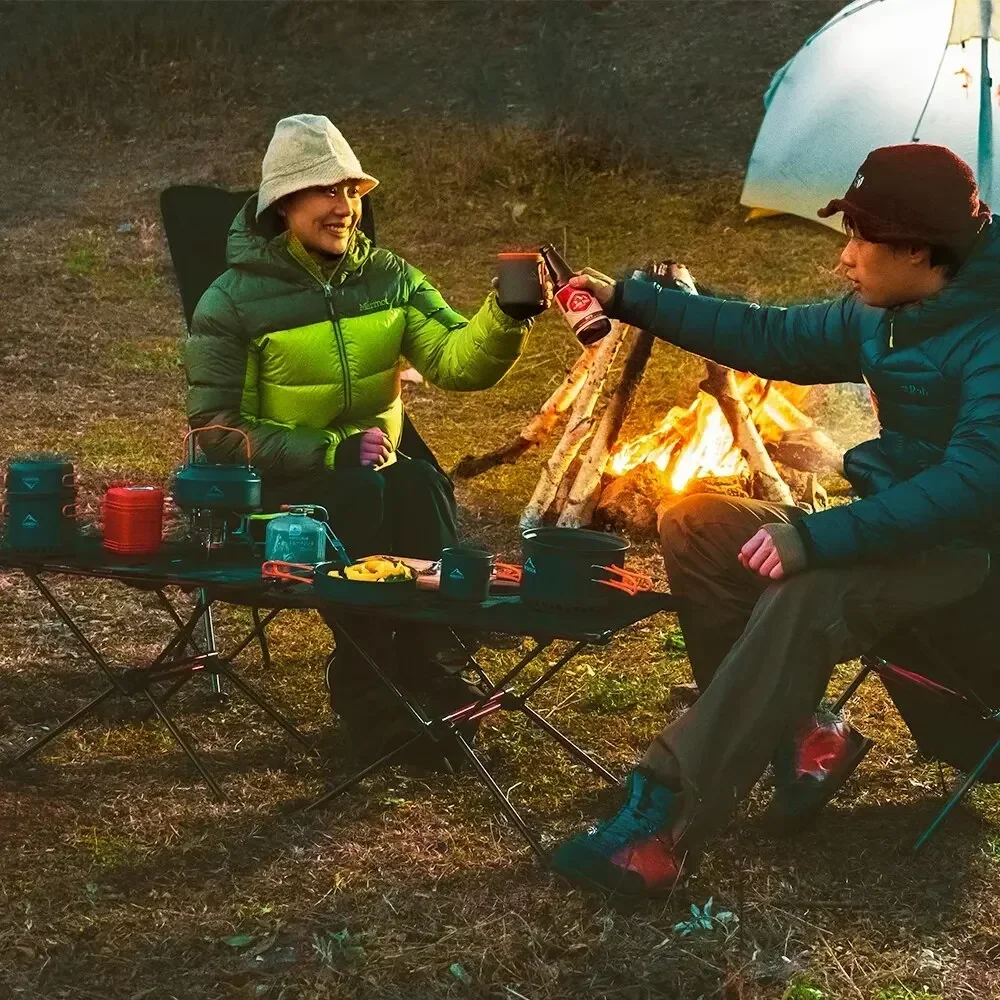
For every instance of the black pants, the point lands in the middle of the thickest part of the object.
(406, 509)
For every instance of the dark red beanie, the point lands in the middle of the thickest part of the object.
(914, 192)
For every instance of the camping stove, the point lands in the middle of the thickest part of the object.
(217, 498)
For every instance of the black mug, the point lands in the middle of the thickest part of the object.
(465, 573)
(521, 285)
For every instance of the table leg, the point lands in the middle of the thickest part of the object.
(74, 628)
(258, 627)
(32, 748)
(505, 804)
(210, 646)
(377, 765)
(250, 692)
(183, 743)
(571, 748)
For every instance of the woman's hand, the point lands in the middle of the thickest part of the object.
(375, 447)
(598, 284)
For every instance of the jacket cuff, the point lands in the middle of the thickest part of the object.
(790, 547)
(505, 323)
(649, 306)
(347, 454)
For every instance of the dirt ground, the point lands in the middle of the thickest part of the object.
(120, 879)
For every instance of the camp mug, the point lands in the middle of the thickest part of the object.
(465, 573)
(521, 284)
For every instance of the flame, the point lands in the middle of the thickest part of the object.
(695, 441)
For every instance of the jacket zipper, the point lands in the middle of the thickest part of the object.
(892, 320)
(338, 336)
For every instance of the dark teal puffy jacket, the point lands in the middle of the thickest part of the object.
(933, 475)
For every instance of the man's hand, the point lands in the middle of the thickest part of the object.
(760, 555)
(599, 285)
(775, 552)
(375, 447)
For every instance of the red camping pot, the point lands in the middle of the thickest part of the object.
(133, 519)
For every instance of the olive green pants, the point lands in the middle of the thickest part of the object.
(763, 652)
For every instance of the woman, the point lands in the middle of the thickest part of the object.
(300, 345)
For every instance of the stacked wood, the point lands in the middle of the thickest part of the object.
(578, 428)
(586, 490)
(627, 485)
(538, 428)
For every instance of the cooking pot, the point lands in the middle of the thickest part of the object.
(217, 486)
(575, 568)
(40, 475)
(39, 524)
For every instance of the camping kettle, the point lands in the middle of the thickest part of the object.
(301, 535)
(216, 486)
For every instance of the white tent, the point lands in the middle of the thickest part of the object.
(878, 73)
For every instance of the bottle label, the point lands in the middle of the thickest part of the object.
(579, 307)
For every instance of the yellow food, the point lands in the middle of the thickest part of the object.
(375, 571)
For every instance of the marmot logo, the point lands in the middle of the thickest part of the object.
(374, 304)
(914, 390)
(859, 180)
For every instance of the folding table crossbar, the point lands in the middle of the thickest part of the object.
(180, 659)
(507, 615)
(238, 582)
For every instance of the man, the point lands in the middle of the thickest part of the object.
(778, 597)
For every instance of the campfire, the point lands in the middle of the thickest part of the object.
(741, 435)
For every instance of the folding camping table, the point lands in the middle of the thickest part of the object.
(234, 578)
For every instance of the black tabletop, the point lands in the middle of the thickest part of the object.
(233, 576)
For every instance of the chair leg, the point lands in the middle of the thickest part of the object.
(956, 796)
(868, 664)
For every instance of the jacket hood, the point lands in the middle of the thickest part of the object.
(260, 246)
(971, 294)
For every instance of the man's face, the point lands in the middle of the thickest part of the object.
(324, 217)
(884, 275)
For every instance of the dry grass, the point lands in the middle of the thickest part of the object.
(120, 878)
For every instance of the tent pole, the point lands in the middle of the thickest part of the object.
(985, 160)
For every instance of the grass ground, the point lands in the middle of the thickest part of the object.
(121, 879)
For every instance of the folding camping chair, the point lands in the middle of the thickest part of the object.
(944, 678)
(196, 221)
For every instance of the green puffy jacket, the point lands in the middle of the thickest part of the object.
(300, 361)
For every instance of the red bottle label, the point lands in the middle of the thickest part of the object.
(579, 307)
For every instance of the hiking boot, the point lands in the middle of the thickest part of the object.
(630, 854)
(810, 769)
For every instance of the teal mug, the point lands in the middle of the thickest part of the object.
(466, 571)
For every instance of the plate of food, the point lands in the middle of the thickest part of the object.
(378, 580)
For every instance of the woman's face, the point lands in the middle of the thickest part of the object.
(323, 218)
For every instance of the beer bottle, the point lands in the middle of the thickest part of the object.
(580, 308)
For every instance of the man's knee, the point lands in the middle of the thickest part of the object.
(687, 515)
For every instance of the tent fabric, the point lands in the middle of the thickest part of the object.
(878, 73)
(974, 19)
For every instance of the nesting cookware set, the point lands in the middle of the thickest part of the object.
(561, 568)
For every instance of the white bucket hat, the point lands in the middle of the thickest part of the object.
(307, 151)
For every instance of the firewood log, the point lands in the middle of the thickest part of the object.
(538, 428)
(578, 428)
(579, 507)
(720, 382)
(768, 485)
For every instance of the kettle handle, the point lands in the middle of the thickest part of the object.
(191, 434)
